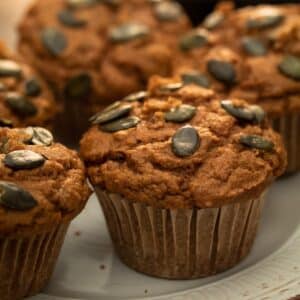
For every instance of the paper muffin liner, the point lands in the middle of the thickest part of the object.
(27, 263)
(181, 243)
(289, 128)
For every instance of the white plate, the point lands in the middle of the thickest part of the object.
(88, 269)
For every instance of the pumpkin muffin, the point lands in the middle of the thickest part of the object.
(42, 188)
(94, 52)
(24, 97)
(181, 177)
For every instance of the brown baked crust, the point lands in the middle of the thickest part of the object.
(139, 164)
(44, 102)
(116, 69)
(59, 185)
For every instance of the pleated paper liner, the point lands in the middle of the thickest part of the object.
(289, 128)
(183, 243)
(26, 264)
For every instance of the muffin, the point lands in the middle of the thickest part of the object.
(95, 52)
(181, 177)
(257, 58)
(24, 98)
(43, 188)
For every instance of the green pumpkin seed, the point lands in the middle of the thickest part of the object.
(264, 22)
(20, 105)
(78, 87)
(23, 160)
(290, 66)
(251, 113)
(121, 124)
(257, 142)
(109, 108)
(15, 197)
(168, 11)
(254, 46)
(6, 123)
(181, 114)
(81, 3)
(39, 136)
(54, 41)
(213, 20)
(195, 78)
(186, 141)
(32, 87)
(222, 71)
(139, 96)
(113, 114)
(67, 18)
(9, 68)
(128, 32)
(170, 88)
(192, 40)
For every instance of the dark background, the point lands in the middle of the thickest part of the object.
(198, 9)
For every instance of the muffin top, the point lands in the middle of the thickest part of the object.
(102, 49)
(41, 182)
(24, 97)
(178, 146)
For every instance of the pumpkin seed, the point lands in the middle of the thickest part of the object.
(54, 41)
(170, 87)
(81, 3)
(213, 20)
(128, 32)
(251, 113)
(257, 142)
(290, 66)
(78, 86)
(6, 123)
(222, 71)
(168, 11)
(20, 104)
(39, 136)
(139, 96)
(120, 124)
(23, 160)
(181, 114)
(113, 114)
(195, 78)
(4, 144)
(192, 40)
(67, 18)
(113, 106)
(9, 68)
(15, 197)
(186, 141)
(32, 87)
(254, 46)
(264, 22)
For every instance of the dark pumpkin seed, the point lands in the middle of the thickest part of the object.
(139, 96)
(290, 66)
(168, 11)
(186, 141)
(23, 160)
(20, 104)
(192, 40)
(181, 114)
(81, 3)
(251, 113)
(32, 87)
(170, 87)
(9, 68)
(113, 114)
(78, 87)
(121, 124)
(6, 123)
(195, 78)
(222, 71)
(257, 142)
(54, 41)
(67, 18)
(254, 47)
(15, 197)
(128, 32)
(213, 20)
(264, 22)
(39, 136)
